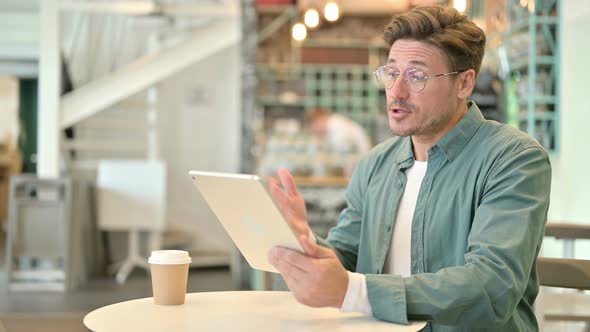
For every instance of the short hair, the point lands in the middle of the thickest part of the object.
(316, 113)
(461, 40)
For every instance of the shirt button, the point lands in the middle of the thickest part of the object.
(389, 228)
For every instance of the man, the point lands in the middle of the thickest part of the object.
(445, 220)
(340, 132)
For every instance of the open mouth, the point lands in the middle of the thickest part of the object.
(398, 110)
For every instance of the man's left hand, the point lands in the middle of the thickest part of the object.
(317, 278)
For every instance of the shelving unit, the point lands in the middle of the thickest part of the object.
(344, 89)
(283, 96)
(529, 55)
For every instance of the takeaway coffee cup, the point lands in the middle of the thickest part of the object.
(169, 276)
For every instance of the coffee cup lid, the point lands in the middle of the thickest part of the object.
(169, 257)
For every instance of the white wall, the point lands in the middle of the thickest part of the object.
(19, 37)
(200, 129)
(570, 195)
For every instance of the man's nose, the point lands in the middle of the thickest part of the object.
(399, 90)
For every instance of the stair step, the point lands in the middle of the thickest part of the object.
(105, 145)
(109, 123)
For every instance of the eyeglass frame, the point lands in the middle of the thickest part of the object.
(405, 77)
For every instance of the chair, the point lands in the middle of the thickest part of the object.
(568, 232)
(566, 273)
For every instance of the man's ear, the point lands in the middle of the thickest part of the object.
(466, 83)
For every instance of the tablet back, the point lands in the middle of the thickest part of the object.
(248, 214)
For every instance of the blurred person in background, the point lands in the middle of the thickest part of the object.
(341, 133)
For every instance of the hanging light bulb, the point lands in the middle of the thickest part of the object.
(299, 32)
(311, 18)
(460, 5)
(331, 11)
(531, 6)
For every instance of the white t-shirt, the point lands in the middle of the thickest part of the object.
(398, 260)
(399, 255)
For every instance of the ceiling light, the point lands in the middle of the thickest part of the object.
(331, 11)
(299, 32)
(531, 6)
(311, 18)
(460, 5)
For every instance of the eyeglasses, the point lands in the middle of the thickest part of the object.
(416, 78)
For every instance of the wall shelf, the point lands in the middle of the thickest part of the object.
(525, 24)
(344, 89)
(523, 64)
(540, 116)
(543, 100)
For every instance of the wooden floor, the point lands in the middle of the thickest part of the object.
(48, 311)
(63, 312)
(44, 323)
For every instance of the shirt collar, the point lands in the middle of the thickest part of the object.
(451, 144)
(404, 156)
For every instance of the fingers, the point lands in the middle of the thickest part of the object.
(272, 182)
(292, 257)
(288, 272)
(313, 249)
(282, 198)
(274, 185)
(287, 263)
(277, 193)
(296, 259)
(287, 181)
(307, 246)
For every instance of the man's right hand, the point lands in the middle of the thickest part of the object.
(290, 202)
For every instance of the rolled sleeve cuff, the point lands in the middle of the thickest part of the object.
(387, 295)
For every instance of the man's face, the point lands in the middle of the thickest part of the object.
(319, 126)
(429, 114)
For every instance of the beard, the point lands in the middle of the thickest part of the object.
(422, 124)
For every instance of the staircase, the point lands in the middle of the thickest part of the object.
(115, 61)
(119, 132)
(114, 111)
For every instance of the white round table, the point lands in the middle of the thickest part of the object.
(233, 311)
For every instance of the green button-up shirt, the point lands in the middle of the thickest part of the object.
(476, 231)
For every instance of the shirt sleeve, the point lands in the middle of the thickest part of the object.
(503, 244)
(356, 298)
(344, 238)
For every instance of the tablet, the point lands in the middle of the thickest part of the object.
(246, 210)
